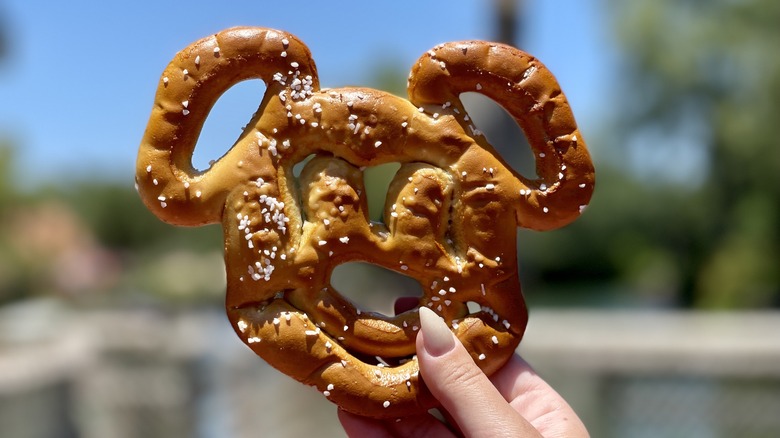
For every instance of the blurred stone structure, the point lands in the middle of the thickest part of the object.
(148, 373)
(663, 373)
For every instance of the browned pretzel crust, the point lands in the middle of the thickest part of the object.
(450, 217)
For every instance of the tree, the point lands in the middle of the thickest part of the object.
(703, 80)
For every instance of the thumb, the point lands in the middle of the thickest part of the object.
(461, 387)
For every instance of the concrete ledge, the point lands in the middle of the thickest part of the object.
(738, 344)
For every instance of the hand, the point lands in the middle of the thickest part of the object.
(513, 402)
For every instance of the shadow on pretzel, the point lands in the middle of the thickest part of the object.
(450, 217)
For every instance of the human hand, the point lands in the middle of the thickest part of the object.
(513, 402)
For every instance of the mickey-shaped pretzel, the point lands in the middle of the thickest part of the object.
(450, 217)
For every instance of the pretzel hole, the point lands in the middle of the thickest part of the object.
(219, 131)
(377, 181)
(473, 306)
(381, 360)
(502, 132)
(298, 167)
(372, 288)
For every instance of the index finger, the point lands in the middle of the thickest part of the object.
(535, 400)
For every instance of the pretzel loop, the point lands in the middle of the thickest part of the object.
(532, 95)
(450, 217)
(189, 87)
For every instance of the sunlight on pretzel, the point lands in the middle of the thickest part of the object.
(450, 218)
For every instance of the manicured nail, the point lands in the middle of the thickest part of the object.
(437, 338)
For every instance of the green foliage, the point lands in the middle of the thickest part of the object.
(7, 190)
(712, 66)
(120, 221)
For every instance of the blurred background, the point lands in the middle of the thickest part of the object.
(655, 314)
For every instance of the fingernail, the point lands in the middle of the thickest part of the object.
(437, 338)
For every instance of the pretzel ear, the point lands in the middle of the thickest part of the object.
(189, 87)
(529, 92)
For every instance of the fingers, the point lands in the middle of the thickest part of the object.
(476, 405)
(463, 390)
(357, 426)
(535, 399)
(410, 427)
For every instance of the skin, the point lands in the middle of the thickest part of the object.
(513, 402)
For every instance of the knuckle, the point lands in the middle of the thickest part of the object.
(462, 374)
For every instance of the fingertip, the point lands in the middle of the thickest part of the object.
(357, 426)
(437, 339)
(464, 391)
(417, 425)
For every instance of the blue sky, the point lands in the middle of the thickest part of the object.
(77, 87)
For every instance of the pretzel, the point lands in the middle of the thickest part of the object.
(450, 216)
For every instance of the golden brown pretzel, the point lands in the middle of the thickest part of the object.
(450, 217)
